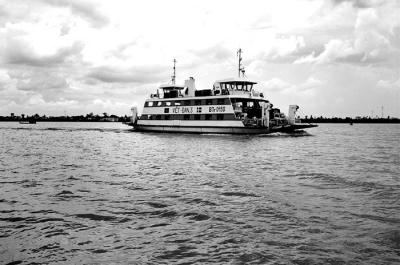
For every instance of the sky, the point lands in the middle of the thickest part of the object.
(332, 58)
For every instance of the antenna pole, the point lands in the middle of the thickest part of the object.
(239, 54)
(174, 76)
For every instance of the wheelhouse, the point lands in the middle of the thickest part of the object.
(233, 86)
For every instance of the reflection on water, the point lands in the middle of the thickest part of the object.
(83, 193)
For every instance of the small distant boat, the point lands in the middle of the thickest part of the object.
(351, 123)
(27, 122)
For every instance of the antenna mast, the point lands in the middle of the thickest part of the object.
(174, 76)
(241, 68)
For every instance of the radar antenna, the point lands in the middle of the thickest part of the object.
(174, 76)
(241, 67)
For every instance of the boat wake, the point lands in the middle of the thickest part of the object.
(300, 133)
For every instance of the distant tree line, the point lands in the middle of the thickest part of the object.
(358, 119)
(114, 118)
(79, 118)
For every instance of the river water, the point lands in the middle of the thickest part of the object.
(97, 193)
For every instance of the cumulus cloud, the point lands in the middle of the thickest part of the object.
(284, 48)
(335, 50)
(42, 83)
(371, 43)
(88, 10)
(4, 78)
(69, 53)
(389, 84)
(36, 45)
(359, 3)
(21, 53)
(216, 52)
(276, 85)
(311, 83)
(128, 75)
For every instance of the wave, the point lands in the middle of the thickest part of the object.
(69, 129)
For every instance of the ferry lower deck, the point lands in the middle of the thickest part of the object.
(201, 129)
(221, 114)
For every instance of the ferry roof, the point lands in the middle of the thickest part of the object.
(236, 80)
(166, 86)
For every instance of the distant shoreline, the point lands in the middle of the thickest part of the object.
(353, 121)
(350, 120)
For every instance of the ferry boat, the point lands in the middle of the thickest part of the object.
(232, 106)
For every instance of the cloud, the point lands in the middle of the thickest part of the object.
(87, 10)
(16, 52)
(359, 3)
(42, 83)
(284, 48)
(276, 85)
(389, 84)
(311, 83)
(143, 74)
(66, 54)
(36, 45)
(371, 43)
(4, 78)
(216, 52)
(334, 50)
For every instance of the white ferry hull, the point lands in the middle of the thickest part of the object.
(199, 129)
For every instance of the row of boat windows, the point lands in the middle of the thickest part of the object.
(189, 117)
(216, 101)
(235, 86)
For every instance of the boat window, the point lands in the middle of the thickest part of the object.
(166, 110)
(221, 101)
(197, 102)
(166, 117)
(186, 102)
(208, 116)
(186, 117)
(150, 103)
(158, 117)
(168, 103)
(251, 87)
(239, 86)
(208, 102)
(233, 86)
(250, 104)
(159, 103)
(220, 116)
(177, 103)
(197, 117)
(150, 117)
(245, 87)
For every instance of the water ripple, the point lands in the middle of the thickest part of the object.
(97, 193)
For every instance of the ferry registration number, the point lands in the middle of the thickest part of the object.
(217, 109)
(189, 110)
